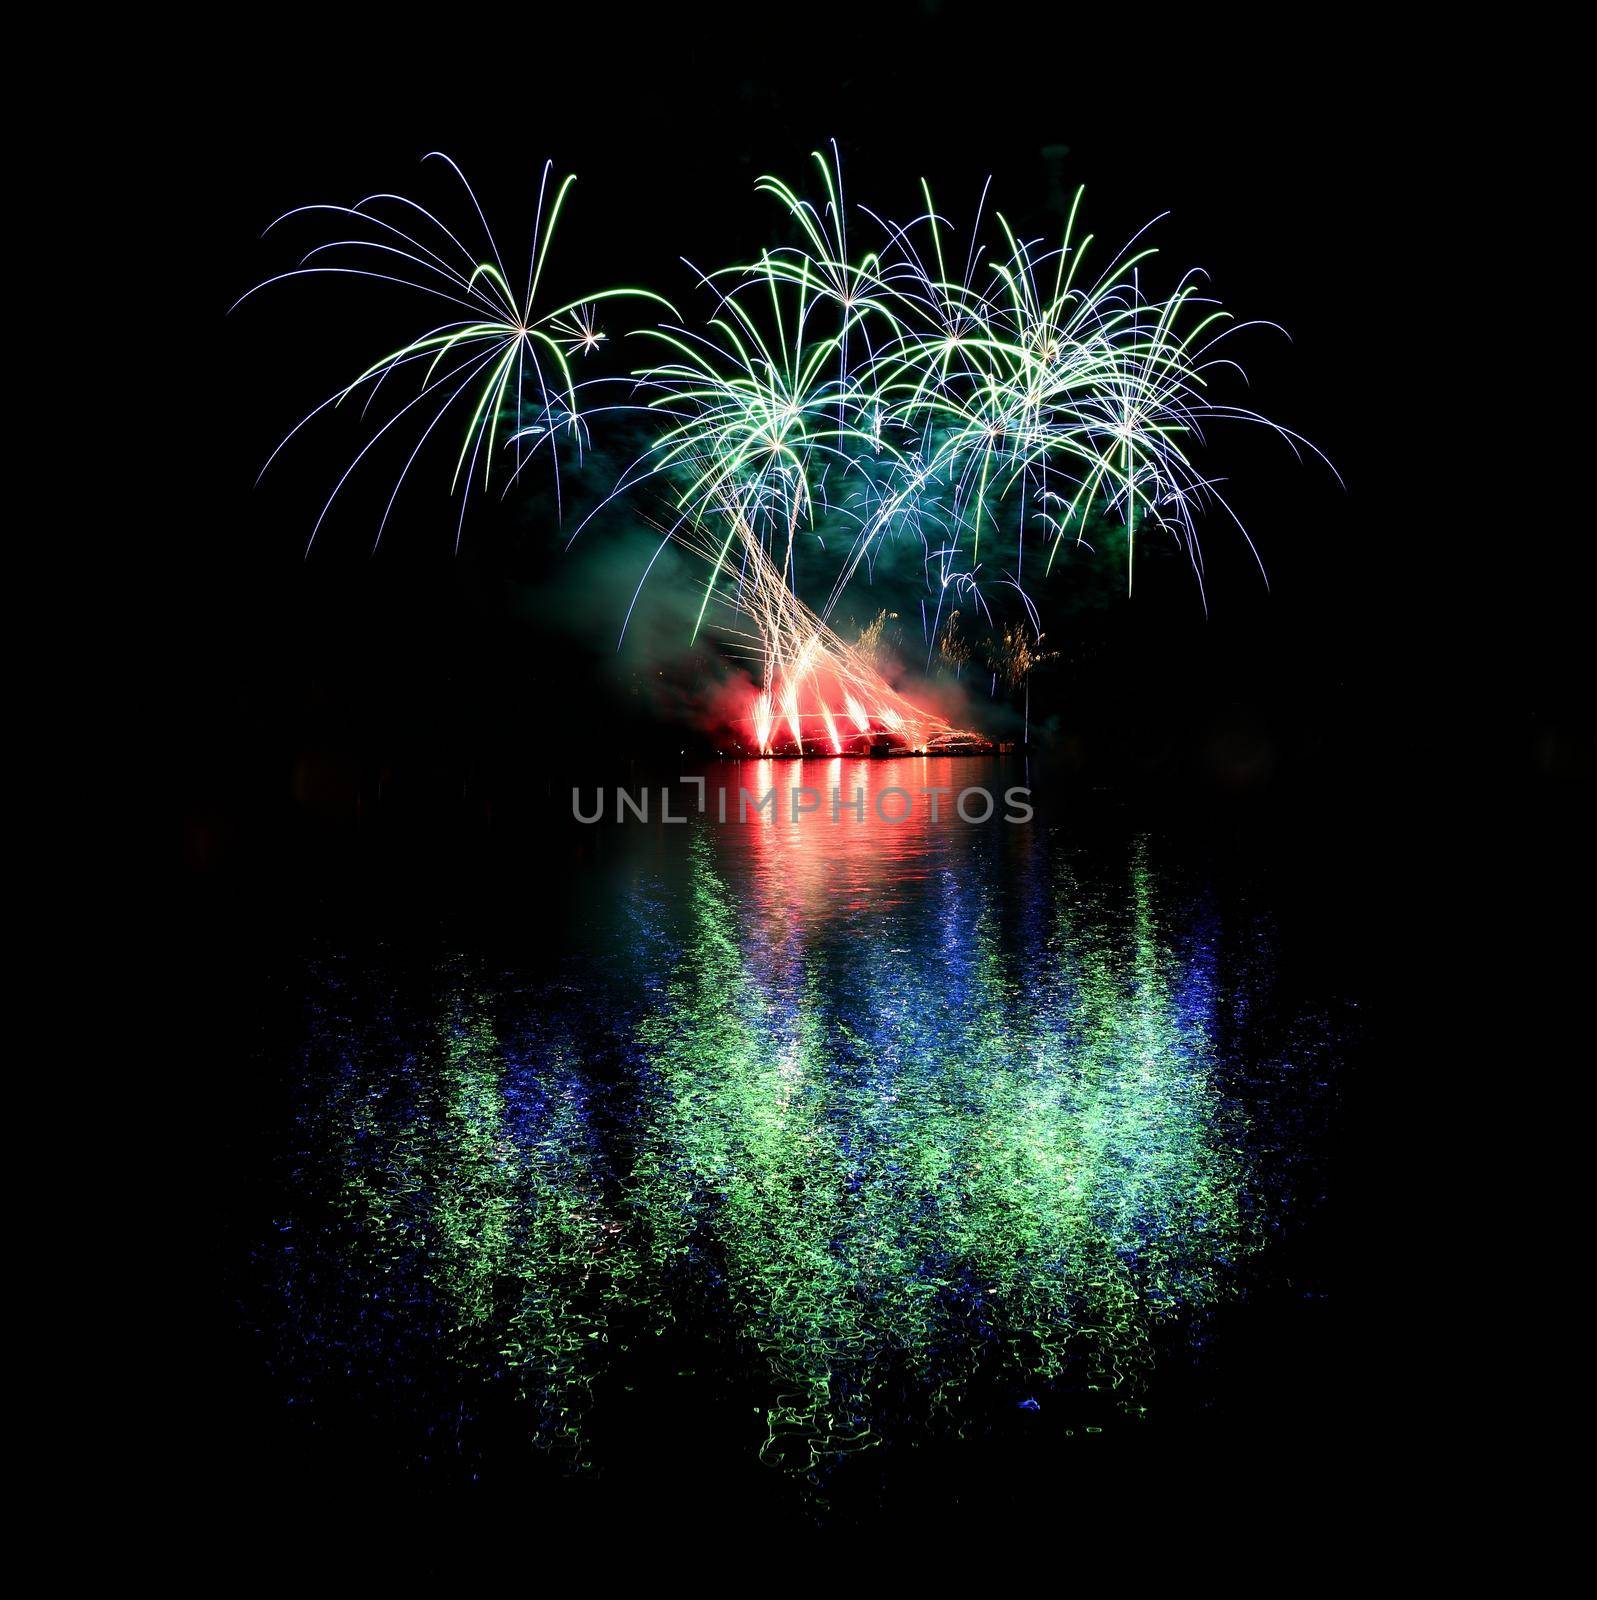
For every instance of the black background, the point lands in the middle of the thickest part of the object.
(1335, 179)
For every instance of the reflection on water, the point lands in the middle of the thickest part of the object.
(896, 1128)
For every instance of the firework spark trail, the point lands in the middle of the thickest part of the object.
(516, 356)
(814, 677)
(1078, 396)
(921, 390)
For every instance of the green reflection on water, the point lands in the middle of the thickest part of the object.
(470, 1216)
(1027, 1165)
(890, 1188)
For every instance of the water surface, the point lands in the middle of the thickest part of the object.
(802, 1152)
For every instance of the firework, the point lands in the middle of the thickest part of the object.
(961, 394)
(501, 366)
(956, 397)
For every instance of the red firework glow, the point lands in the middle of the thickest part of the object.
(826, 699)
(815, 694)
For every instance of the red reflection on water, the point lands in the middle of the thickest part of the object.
(811, 850)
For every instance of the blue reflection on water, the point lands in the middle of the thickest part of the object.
(873, 1133)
